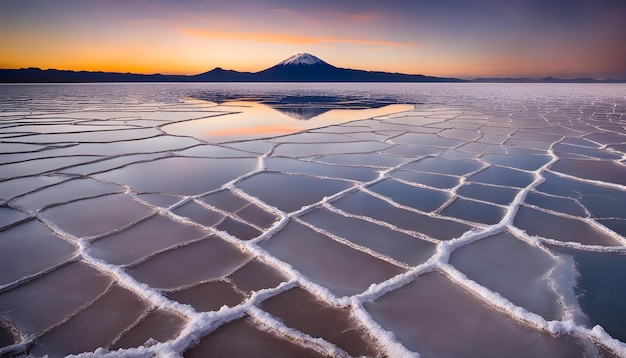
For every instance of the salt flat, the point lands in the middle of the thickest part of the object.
(313, 220)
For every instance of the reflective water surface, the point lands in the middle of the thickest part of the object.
(313, 220)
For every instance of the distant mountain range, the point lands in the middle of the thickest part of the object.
(302, 67)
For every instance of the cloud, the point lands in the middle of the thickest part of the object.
(288, 38)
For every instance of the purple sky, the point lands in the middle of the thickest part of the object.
(577, 38)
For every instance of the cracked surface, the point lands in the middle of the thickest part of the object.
(481, 220)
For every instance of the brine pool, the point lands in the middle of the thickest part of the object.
(321, 220)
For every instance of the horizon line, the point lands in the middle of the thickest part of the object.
(463, 78)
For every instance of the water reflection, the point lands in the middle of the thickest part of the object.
(258, 118)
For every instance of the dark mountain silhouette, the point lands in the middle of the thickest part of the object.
(36, 75)
(219, 74)
(544, 80)
(298, 68)
(305, 67)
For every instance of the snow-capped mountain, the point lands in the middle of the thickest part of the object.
(300, 67)
(304, 67)
(302, 59)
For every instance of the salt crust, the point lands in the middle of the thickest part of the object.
(202, 323)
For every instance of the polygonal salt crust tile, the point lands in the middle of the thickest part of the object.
(30, 248)
(97, 325)
(480, 148)
(444, 166)
(465, 135)
(437, 318)
(341, 269)
(558, 204)
(254, 146)
(536, 134)
(144, 239)
(41, 166)
(139, 146)
(309, 149)
(459, 156)
(312, 137)
(497, 130)
(159, 325)
(540, 223)
(256, 275)
(241, 338)
(368, 136)
(256, 215)
(11, 188)
(214, 151)
(601, 201)
(376, 125)
(579, 142)
(559, 186)
(606, 137)
(372, 160)
(290, 192)
(225, 200)
(65, 192)
(162, 200)
(427, 140)
(181, 175)
(464, 124)
(560, 149)
(99, 136)
(565, 155)
(606, 171)
(524, 162)
(411, 151)
(527, 143)
(200, 261)
(53, 303)
(414, 119)
(305, 312)
(502, 176)
(394, 244)
(475, 211)
(199, 214)
(349, 128)
(10, 216)
(111, 163)
(287, 165)
(514, 269)
(524, 151)
(97, 216)
(238, 229)
(432, 180)
(422, 199)
(364, 204)
(208, 296)
(492, 139)
(599, 289)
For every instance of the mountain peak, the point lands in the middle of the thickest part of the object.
(303, 59)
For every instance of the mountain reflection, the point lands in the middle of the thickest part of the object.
(301, 107)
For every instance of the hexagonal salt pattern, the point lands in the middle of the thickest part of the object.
(138, 221)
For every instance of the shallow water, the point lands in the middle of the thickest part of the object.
(313, 220)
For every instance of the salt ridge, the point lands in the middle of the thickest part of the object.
(204, 322)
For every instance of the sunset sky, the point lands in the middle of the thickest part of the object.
(460, 38)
